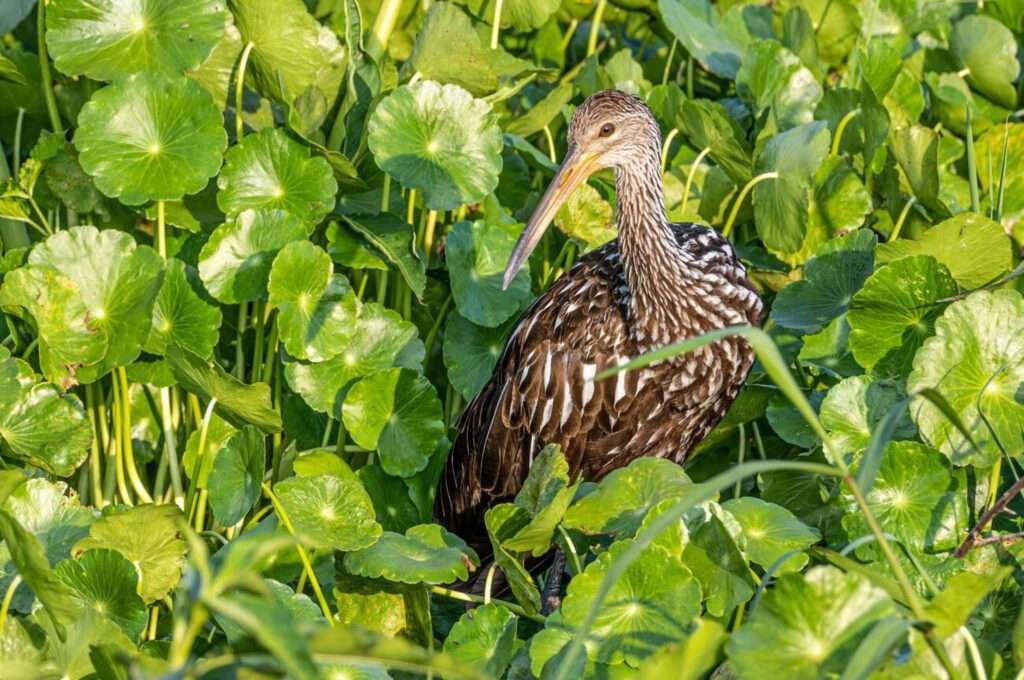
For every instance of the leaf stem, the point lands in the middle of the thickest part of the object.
(690, 175)
(6, 604)
(668, 62)
(665, 148)
(727, 230)
(117, 412)
(496, 26)
(243, 61)
(383, 26)
(901, 219)
(595, 26)
(466, 597)
(837, 140)
(45, 77)
(129, 454)
(95, 464)
(303, 555)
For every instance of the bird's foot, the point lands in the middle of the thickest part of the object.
(551, 598)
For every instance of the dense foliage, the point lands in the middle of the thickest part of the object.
(251, 263)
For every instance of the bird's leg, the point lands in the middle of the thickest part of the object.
(551, 598)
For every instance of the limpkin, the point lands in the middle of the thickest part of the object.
(658, 283)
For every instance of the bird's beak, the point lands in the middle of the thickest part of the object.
(576, 168)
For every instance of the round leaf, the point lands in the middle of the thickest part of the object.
(856, 406)
(440, 140)
(396, 412)
(150, 137)
(380, 340)
(271, 170)
(895, 311)
(108, 39)
(329, 512)
(770, 531)
(236, 475)
(471, 352)
(976, 361)
(316, 308)
(915, 498)
(477, 253)
(105, 582)
(988, 51)
(652, 603)
(425, 554)
(807, 626)
(147, 535)
(235, 262)
(484, 637)
(37, 423)
(625, 496)
(181, 316)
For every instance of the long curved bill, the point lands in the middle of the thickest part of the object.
(576, 168)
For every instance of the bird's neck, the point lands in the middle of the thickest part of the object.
(647, 243)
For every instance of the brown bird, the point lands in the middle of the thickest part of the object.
(658, 283)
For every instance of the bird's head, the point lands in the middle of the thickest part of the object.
(611, 129)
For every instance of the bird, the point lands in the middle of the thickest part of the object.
(657, 283)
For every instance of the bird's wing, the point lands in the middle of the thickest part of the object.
(542, 390)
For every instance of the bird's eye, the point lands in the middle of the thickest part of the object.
(607, 129)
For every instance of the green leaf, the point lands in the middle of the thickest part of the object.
(197, 464)
(769, 531)
(57, 521)
(772, 77)
(109, 40)
(546, 495)
(915, 497)
(329, 512)
(690, 659)
(484, 637)
(449, 49)
(695, 23)
(587, 218)
(895, 311)
(271, 170)
(807, 626)
(781, 204)
(625, 496)
(38, 424)
(181, 316)
(91, 293)
(503, 522)
(831, 278)
(652, 603)
(988, 51)
(235, 262)
(395, 508)
(856, 406)
(396, 412)
(237, 402)
(976, 361)
(439, 140)
(302, 614)
(380, 340)
(916, 149)
(105, 582)
(291, 51)
(147, 535)
(542, 112)
(950, 609)
(374, 604)
(425, 554)
(476, 253)
(708, 125)
(349, 249)
(394, 240)
(975, 249)
(471, 352)
(715, 560)
(236, 475)
(150, 137)
(316, 308)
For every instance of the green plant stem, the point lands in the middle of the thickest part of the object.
(466, 597)
(108, 447)
(972, 165)
(240, 90)
(13, 234)
(496, 26)
(741, 455)
(435, 328)
(428, 236)
(120, 444)
(595, 26)
(574, 556)
(260, 313)
(129, 454)
(837, 140)
(16, 157)
(666, 146)
(185, 637)
(383, 26)
(6, 604)
(303, 555)
(269, 362)
(551, 144)
(690, 175)
(199, 507)
(727, 230)
(901, 219)
(45, 77)
(95, 464)
(668, 61)
(240, 342)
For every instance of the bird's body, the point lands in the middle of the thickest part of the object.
(658, 283)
